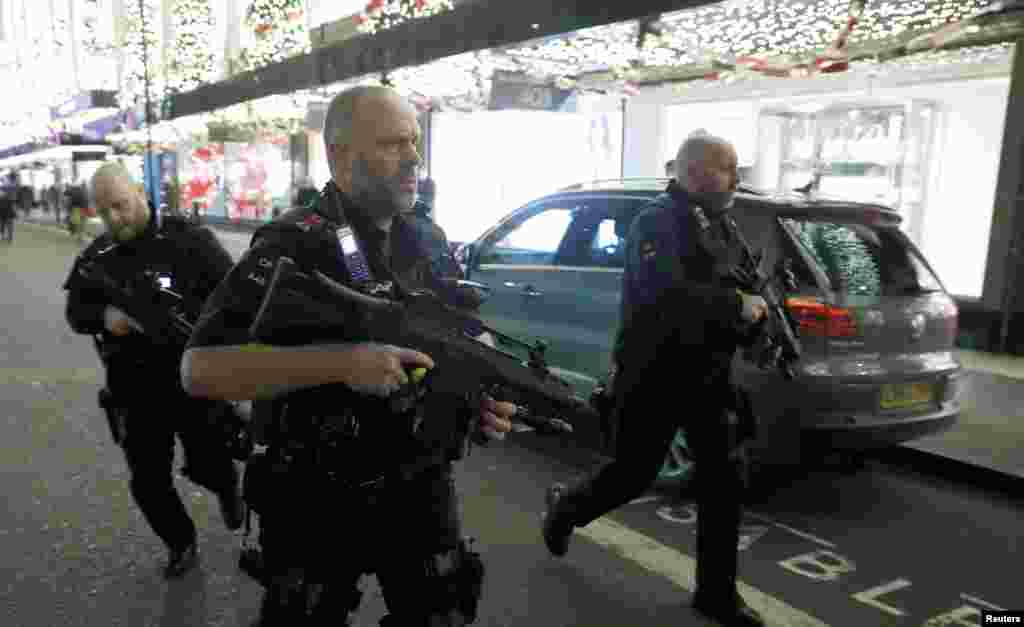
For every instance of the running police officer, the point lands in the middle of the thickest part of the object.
(680, 329)
(143, 380)
(386, 504)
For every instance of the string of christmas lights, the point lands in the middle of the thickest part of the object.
(190, 62)
(383, 14)
(278, 31)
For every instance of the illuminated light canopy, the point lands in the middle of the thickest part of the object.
(133, 87)
(276, 30)
(95, 41)
(190, 63)
(383, 14)
(710, 39)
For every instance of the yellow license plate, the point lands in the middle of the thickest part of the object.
(898, 395)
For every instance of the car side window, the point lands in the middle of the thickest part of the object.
(597, 238)
(763, 232)
(608, 248)
(533, 242)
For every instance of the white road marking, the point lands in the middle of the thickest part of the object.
(796, 532)
(645, 499)
(870, 597)
(982, 603)
(680, 569)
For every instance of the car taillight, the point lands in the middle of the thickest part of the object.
(821, 319)
(951, 314)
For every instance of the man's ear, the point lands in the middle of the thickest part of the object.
(695, 171)
(341, 157)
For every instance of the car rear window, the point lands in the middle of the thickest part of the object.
(863, 260)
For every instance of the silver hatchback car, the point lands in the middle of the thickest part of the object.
(876, 324)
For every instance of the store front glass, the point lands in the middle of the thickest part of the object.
(488, 163)
(236, 181)
(930, 151)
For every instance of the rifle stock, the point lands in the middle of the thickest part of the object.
(299, 305)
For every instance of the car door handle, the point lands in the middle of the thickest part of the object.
(528, 290)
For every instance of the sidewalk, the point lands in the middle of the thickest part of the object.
(989, 435)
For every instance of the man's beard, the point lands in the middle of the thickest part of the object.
(713, 202)
(381, 196)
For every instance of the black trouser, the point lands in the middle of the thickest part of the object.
(643, 441)
(7, 229)
(149, 450)
(320, 533)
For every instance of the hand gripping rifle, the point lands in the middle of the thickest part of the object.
(299, 305)
(160, 312)
(777, 344)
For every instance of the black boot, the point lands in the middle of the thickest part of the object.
(232, 507)
(734, 614)
(181, 561)
(557, 528)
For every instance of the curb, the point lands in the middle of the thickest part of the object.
(951, 469)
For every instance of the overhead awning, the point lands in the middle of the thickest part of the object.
(639, 43)
(57, 153)
(86, 106)
(469, 27)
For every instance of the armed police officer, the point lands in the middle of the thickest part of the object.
(349, 488)
(143, 396)
(681, 325)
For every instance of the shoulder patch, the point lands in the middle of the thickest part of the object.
(648, 250)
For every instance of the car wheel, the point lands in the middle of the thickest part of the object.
(679, 464)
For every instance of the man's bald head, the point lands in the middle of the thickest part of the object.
(110, 173)
(371, 136)
(120, 202)
(706, 167)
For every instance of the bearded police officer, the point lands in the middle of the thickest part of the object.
(681, 325)
(146, 403)
(325, 523)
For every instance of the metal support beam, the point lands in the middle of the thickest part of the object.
(466, 28)
(1000, 291)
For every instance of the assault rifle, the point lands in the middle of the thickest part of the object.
(158, 309)
(160, 312)
(777, 344)
(298, 306)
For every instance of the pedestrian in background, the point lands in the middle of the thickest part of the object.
(7, 215)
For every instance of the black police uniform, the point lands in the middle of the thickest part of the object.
(143, 376)
(341, 490)
(680, 329)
